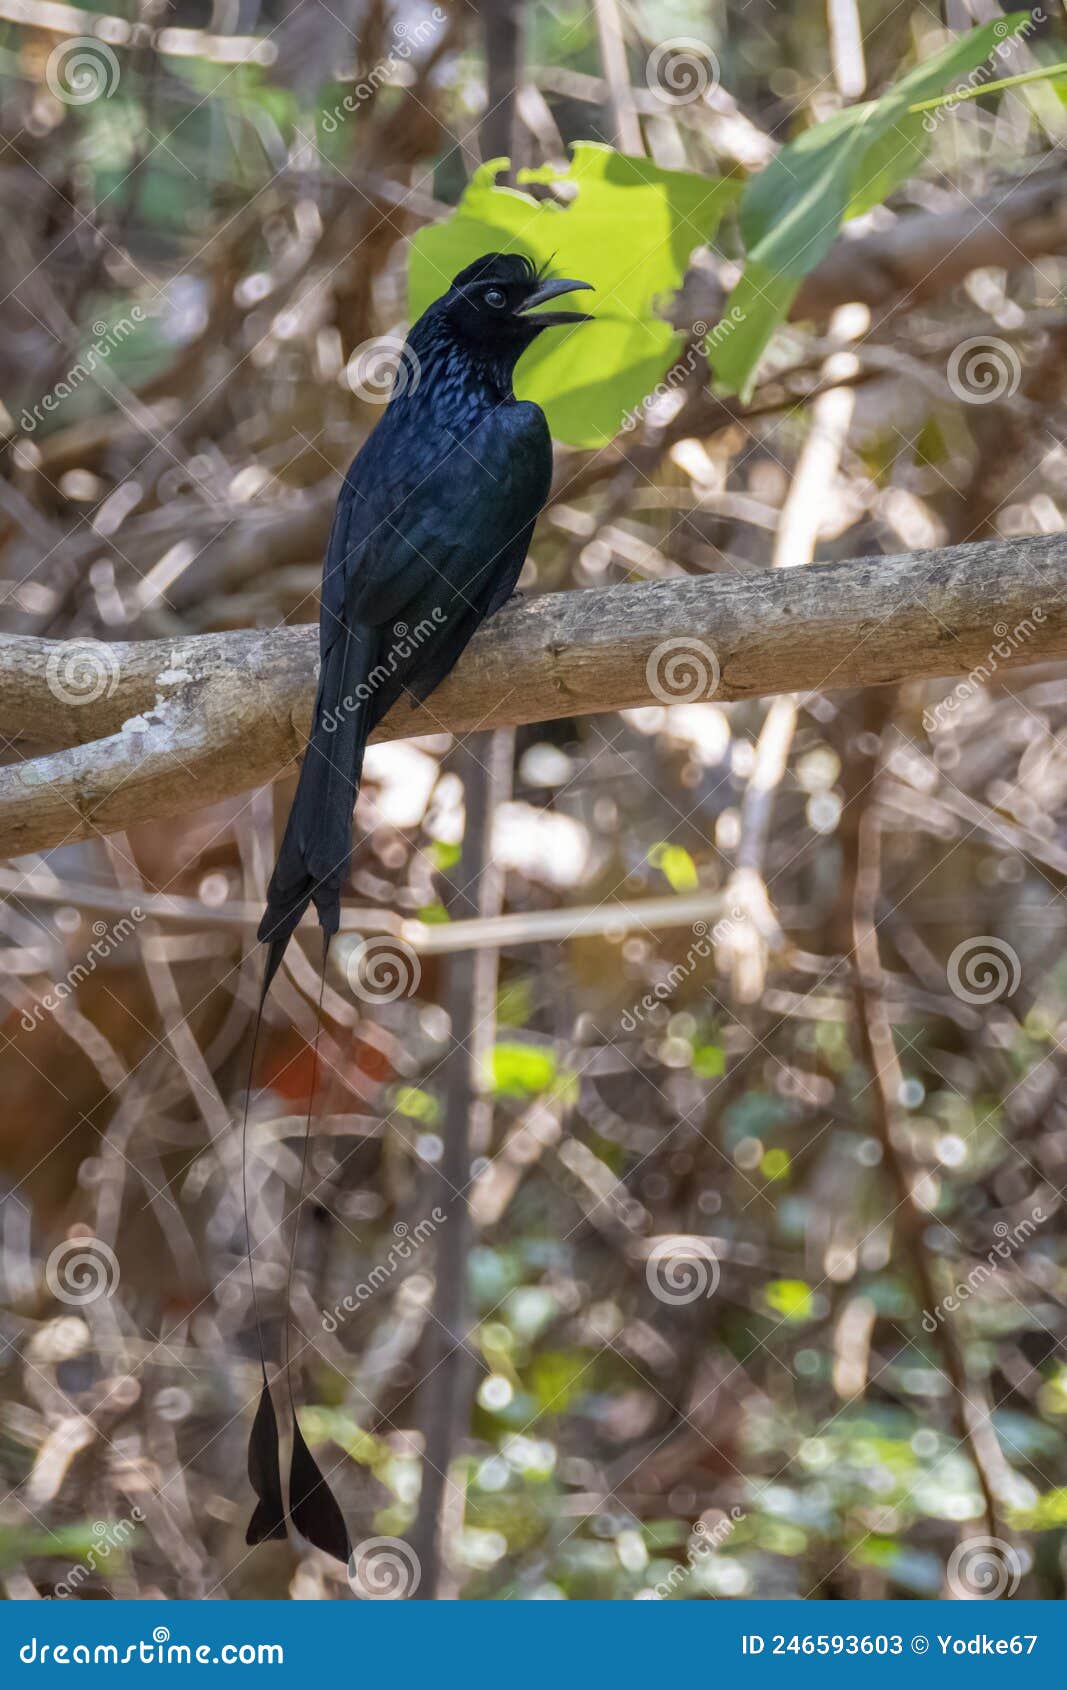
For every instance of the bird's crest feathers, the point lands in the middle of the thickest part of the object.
(505, 267)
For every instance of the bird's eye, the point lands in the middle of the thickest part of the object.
(496, 297)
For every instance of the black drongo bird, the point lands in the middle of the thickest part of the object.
(430, 534)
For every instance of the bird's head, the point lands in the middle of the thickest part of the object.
(492, 305)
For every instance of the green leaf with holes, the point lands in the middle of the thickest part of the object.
(792, 212)
(622, 224)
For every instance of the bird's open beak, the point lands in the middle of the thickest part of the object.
(552, 290)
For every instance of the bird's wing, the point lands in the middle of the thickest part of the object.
(436, 525)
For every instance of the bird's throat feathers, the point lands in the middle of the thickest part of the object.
(452, 379)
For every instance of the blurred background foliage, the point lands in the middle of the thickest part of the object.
(714, 1218)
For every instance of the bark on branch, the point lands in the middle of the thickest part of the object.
(169, 726)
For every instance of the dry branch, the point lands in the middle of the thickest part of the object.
(921, 255)
(184, 723)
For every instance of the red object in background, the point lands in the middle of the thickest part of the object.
(287, 1065)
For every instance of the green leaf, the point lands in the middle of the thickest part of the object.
(630, 229)
(1046, 1513)
(775, 1164)
(676, 865)
(709, 1061)
(514, 1004)
(792, 211)
(558, 1376)
(758, 303)
(444, 855)
(79, 1541)
(1046, 73)
(790, 1298)
(522, 1070)
(321, 1424)
(915, 1569)
(416, 1105)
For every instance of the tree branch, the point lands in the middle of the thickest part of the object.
(920, 256)
(169, 726)
(924, 254)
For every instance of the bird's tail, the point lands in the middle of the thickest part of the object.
(311, 867)
(316, 846)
